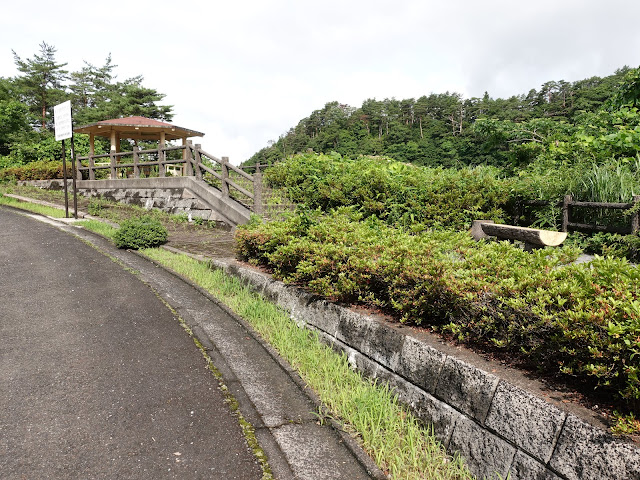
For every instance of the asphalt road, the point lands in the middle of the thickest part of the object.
(97, 377)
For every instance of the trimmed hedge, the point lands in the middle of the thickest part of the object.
(40, 170)
(581, 321)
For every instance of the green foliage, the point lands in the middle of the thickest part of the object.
(628, 92)
(399, 193)
(608, 244)
(625, 424)
(96, 206)
(13, 117)
(142, 232)
(40, 170)
(582, 321)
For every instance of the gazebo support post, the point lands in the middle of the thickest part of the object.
(161, 155)
(112, 158)
(136, 159)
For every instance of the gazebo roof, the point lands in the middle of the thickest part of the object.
(137, 128)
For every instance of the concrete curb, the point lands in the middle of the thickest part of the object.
(372, 469)
(499, 428)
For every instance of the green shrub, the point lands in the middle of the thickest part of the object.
(578, 320)
(96, 206)
(401, 194)
(608, 244)
(142, 232)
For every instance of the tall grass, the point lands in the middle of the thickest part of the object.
(616, 181)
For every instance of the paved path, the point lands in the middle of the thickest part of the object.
(97, 377)
(99, 380)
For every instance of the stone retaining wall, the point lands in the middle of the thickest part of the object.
(170, 200)
(499, 428)
(175, 200)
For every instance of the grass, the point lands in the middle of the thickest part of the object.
(99, 227)
(32, 207)
(393, 437)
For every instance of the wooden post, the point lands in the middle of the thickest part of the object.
(112, 150)
(225, 176)
(112, 159)
(161, 171)
(188, 158)
(197, 161)
(92, 152)
(257, 191)
(161, 155)
(136, 159)
(92, 164)
(635, 218)
(566, 206)
(78, 165)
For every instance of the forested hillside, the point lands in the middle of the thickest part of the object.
(446, 129)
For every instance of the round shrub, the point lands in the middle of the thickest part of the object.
(143, 232)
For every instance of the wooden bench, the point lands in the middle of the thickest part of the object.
(532, 237)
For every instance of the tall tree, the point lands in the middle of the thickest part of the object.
(131, 98)
(41, 85)
(90, 87)
(14, 120)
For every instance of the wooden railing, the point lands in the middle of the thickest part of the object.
(568, 205)
(232, 181)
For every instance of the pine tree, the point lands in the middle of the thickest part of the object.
(41, 85)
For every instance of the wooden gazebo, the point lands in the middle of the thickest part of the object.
(135, 128)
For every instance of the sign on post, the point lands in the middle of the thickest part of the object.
(63, 125)
(62, 120)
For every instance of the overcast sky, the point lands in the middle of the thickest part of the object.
(245, 71)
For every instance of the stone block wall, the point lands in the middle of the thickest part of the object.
(500, 429)
(171, 200)
(174, 200)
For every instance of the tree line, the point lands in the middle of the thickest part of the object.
(445, 129)
(95, 92)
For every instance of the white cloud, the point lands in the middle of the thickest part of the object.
(246, 71)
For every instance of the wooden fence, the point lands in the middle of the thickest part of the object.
(569, 206)
(186, 160)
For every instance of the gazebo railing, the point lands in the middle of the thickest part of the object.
(232, 181)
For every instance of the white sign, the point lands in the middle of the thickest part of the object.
(62, 120)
